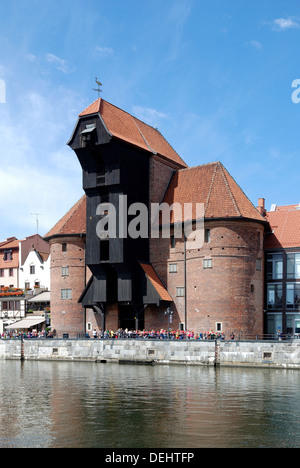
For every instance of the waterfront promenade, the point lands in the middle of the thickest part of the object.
(218, 353)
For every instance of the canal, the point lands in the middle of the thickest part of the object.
(89, 405)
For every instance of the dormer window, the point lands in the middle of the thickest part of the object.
(7, 255)
(88, 134)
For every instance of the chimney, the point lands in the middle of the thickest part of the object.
(261, 206)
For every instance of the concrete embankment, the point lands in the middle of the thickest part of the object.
(278, 354)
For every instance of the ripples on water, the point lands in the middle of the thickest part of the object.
(63, 404)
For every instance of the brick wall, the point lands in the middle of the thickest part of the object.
(230, 292)
(67, 315)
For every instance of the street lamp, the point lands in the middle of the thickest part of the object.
(169, 313)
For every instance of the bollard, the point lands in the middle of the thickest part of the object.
(217, 353)
(22, 349)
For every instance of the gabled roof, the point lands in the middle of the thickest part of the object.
(285, 226)
(124, 126)
(42, 256)
(10, 243)
(73, 222)
(212, 185)
(156, 282)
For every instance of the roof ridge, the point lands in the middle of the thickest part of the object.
(222, 168)
(240, 188)
(145, 123)
(144, 138)
(66, 218)
(210, 187)
(283, 226)
(199, 165)
(90, 106)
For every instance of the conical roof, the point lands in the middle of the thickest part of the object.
(213, 186)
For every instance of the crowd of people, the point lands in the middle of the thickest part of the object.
(22, 334)
(162, 334)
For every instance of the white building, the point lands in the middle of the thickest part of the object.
(34, 273)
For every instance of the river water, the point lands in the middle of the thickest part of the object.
(90, 405)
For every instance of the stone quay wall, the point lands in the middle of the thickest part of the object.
(277, 354)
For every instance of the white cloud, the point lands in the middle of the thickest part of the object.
(282, 24)
(105, 51)
(255, 44)
(38, 173)
(148, 115)
(60, 64)
(31, 57)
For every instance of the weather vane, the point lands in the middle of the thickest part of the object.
(98, 89)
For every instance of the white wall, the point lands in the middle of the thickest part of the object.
(41, 274)
(7, 280)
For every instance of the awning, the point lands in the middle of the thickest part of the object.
(42, 297)
(26, 323)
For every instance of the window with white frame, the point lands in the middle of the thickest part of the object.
(180, 291)
(207, 263)
(64, 271)
(172, 267)
(66, 293)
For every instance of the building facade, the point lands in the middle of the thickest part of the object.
(282, 266)
(9, 263)
(34, 273)
(12, 306)
(120, 275)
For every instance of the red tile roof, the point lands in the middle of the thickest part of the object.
(9, 244)
(158, 285)
(124, 126)
(212, 185)
(74, 221)
(285, 225)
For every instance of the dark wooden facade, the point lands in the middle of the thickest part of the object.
(111, 169)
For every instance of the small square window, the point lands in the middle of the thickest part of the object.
(207, 263)
(180, 291)
(64, 247)
(173, 268)
(64, 271)
(66, 293)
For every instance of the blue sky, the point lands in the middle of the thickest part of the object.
(214, 76)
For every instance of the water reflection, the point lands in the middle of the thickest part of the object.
(63, 404)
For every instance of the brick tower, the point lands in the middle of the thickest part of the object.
(67, 271)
